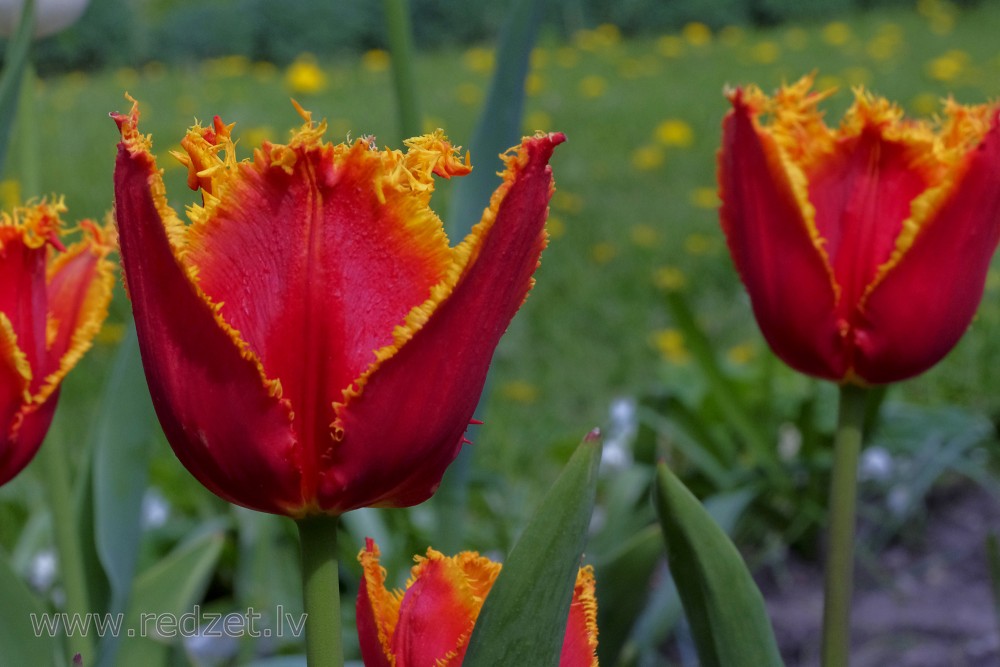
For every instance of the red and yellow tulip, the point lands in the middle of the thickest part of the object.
(53, 300)
(864, 248)
(429, 625)
(312, 342)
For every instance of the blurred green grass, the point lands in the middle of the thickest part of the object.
(635, 202)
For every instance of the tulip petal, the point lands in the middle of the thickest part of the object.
(776, 253)
(79, 291)
(316, 252)
(929, 294)
(225, 421)
(15, 378)
(23, 248)
(580, 645)
(377, 610)
(439, 609)
(407, 419)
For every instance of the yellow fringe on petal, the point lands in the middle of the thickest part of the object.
(586, 596)
(178, 233)
(385, 604)
(13, 356)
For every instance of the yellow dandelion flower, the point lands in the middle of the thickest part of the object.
(670, 344)
(732, 35)
(704, 197)
(533, 84)
(593, 85)
(674, 132)
(519, 391)
(765, 52)
(648, 157)
(555, 226)
(670, 46)
(566, 201)
(480, 60)
(304, 76)
(10, 193)
(948, 66)
(603, 252)
(796, 39)
(644, 236)
(836, 33)
(742, 354)
(669, 278)
(609, 34)
(376, 60)
(567, 57)
(697, 34)
(699, 244)
(226, 66)
(539, 57)
(925, 104)
(537, 121)
(469, 94)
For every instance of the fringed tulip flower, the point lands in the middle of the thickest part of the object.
(429, 625)
(311, 341)
(864, 248)
(53, 300)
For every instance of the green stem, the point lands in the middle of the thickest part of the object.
(67, 539)
(399, 36)
(321, 590)
(840, 548)
(27, 131)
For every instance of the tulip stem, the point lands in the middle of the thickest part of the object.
(399, 36)
(67, 542)
(840, 547)
(321, 590)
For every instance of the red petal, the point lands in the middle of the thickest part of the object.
(15, 378)
(23, 297)
(784, 272)
(408, 422)
(436, 616)
(579, 647)
(317, 255)
(862, 193)
(924, 304)
(219, 416)
(377, 610)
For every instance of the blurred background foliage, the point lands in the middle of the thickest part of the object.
(132, 32)
(638, 321)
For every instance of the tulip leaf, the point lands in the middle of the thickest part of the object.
(723, 604)
(523, 620)
(20, 643)
(499, 125)
(162, 594)
(15, 64)
(120, 446)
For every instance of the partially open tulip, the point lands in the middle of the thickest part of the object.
(864, 247)
(53, 300)
(312, 342)
(429, 625)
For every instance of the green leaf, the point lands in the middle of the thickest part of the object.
(723, 605)
(20, 644)
(523, 620)
(499, 125)
(15, 63)
(165, 592)
(622, 582)
(119, 474)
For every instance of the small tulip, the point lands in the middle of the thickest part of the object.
(864, 248)
(53, 300)
(429, 625)
(311, 341)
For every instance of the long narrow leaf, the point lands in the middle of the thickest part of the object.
(723, 605)
(523, 620)
(120, 446)
(20, 642)
(15, 63)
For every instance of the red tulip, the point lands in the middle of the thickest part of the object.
(53, 301)
(311, 341)
(429, 625)
(864, 248)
